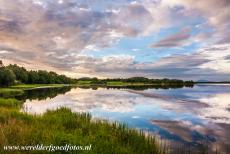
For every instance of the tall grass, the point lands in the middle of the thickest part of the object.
(9, 103)
(10, 93)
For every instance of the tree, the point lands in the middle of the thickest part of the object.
(7, 77)
(33, 77)
(20, 72)
(1, 64)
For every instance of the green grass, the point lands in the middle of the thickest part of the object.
(115, 83)
(9, 103)
(16, 90)
(9, 93)
(62, 127)
(83, 82)
(123, 84)
(30, 86)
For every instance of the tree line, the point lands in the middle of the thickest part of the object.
(14, 74)
(164, 81)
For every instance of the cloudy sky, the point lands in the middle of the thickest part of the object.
(118, 38)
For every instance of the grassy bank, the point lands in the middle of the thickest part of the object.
(17, 90)
(32, 86)
(120, 83)
(9, 92)
(62, 127)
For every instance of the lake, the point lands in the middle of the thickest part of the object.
(191, 116)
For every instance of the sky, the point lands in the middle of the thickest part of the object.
(183, 39)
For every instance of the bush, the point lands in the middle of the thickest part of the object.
(7, 77)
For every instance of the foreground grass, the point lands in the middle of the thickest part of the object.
(62, 127)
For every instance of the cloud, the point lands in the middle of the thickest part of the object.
(227, 57)
(174, 40)
(219, 10)
(226, 38)
(56, 35)
(78, 100)
(217, 58)
(66, 28)
(215, 13)
(203, 64)
(187, 129)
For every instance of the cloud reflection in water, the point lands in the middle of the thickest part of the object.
(194, 120)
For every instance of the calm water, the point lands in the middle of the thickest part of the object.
(188, 115)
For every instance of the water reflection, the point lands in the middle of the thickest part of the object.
(218, 110)
(43, 93)
(85, 100)
(137, 87)
(189, 115)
